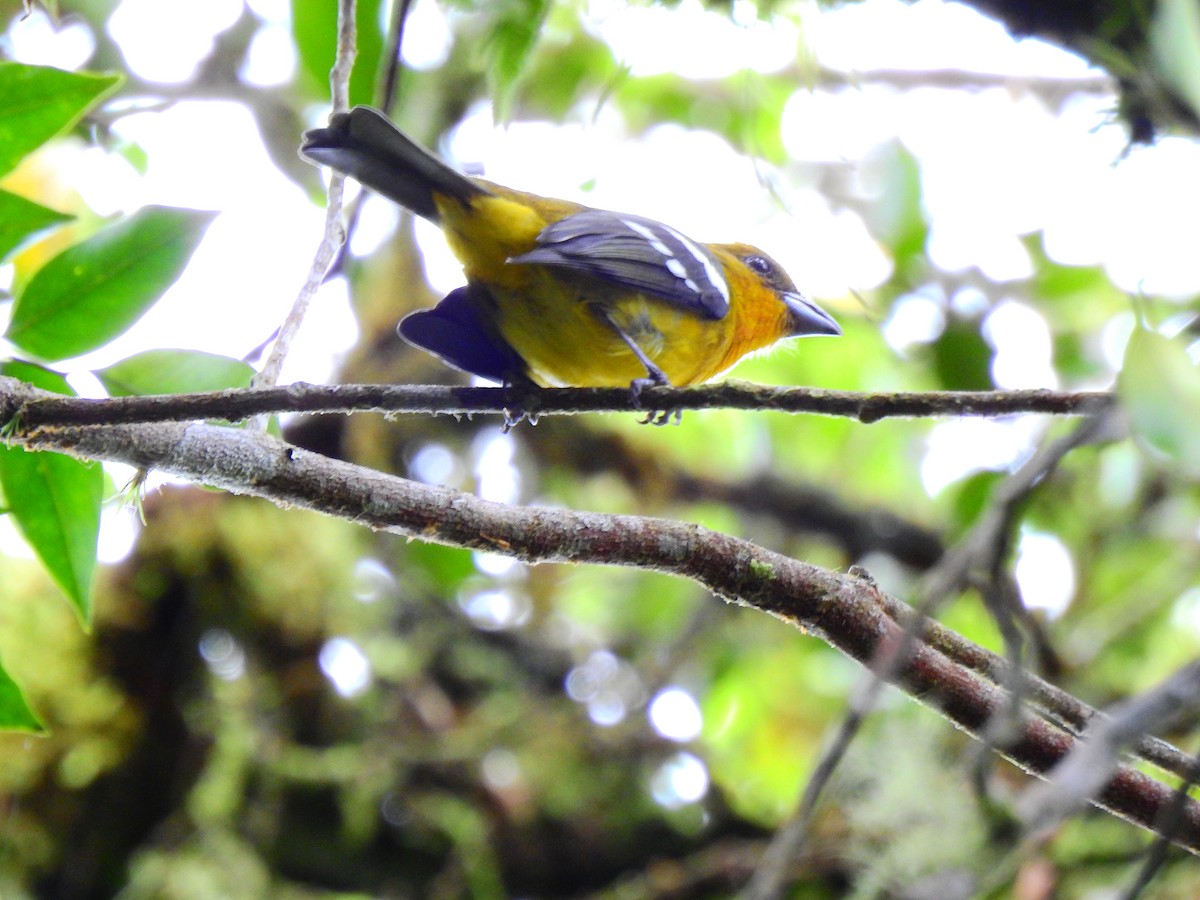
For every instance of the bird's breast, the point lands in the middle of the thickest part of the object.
(563, 333)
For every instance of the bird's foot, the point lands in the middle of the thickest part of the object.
(522, 401)
(655, 378)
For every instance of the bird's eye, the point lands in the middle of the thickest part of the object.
(758, 264)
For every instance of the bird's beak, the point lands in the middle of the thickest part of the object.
(806, 318)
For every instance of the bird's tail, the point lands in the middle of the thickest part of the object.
(363, 144)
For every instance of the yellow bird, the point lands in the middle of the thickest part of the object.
(564, 295)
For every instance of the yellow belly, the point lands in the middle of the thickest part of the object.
(553, 324)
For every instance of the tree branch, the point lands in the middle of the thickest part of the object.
(1174, 703)
(848, 613)
(52, 409)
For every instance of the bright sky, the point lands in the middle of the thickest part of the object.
(996, 163)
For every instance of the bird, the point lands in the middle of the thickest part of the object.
(559, 294)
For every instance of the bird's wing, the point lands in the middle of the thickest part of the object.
(456, 331)
(637, 253)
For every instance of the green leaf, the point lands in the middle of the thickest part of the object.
(972, 496)
(896, 215)
(92, 292)
(1175, 45)
(39, 102)
(1054, 281)
(314, 28)
(447, 567)
(754, 127)
(962, 358)
(513, 33)
(15, 712)
(55, 502)
(1073, 298)
(21, 220)
(648, 101)
(38, 376)
(1160, 386)
(563, 72)
(135, 155)
(174, 372)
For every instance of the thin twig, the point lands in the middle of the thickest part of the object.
(982, 560)
(393, 53)
(769, 879)
(333, 235)
(982, 547)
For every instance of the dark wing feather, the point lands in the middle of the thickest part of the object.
(636, 253)
(455, 331)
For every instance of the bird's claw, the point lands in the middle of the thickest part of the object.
(520, 404)
(655, 378)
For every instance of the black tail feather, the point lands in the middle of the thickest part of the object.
(366, 146)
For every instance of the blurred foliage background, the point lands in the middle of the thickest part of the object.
(274, 704)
